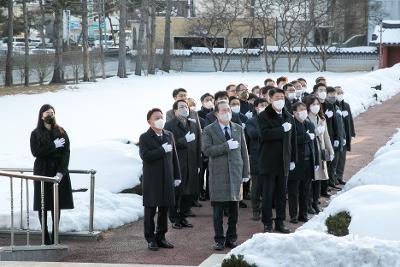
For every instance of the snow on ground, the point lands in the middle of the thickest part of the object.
(372, 197)
(105, 118)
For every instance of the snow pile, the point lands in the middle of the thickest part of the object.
(105, 119)
(314, 249)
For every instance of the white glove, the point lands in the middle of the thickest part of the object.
(336, 143)
(287, 127)
(167, 147)
(312, 136)
(329, 113)
(245, 180)
(339, 112)
(58, 176)
(190, 137)
(59, 142)
(249, 114)
(345, 113)
(233, 144)
(177, 182)
(192, 120)
(332, 157)
(316, 168)
(320, 129)
(243, 125)
(292, 166)
(344, 142)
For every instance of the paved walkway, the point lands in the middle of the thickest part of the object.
(192, 246)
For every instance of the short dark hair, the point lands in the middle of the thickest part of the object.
(175, 105)
(302, 79)
(218, 104)
(268, 80)
(265, 89)
(233, 98)
(204, 96)
(295, 81)
(281, 79)
(259, 101)
(287, 85)
(330, 89)
(274, 91)
(252, 96)
(228, 86)
(177, 91)
(315, 88)
(319, 79)
(220, 94)
(296, 105)
(238, 87)
(151, 111)
(254, 88)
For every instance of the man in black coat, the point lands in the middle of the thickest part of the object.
(160, 175)
(277, 157)
(187, 135)
(350, 133)
(252, 134)
(300, 178)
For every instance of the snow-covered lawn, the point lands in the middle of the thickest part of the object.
(372, 197)
(105, 118)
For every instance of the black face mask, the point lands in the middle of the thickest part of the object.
(49, 120)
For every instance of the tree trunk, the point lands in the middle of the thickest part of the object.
(101, 14)
(10, 44)
(111, 27)
(58, 74)
(26, 34)
(85, 42)
(166, 61)
(139, 54)
(152, 38)
(43, 22)
(122, 40)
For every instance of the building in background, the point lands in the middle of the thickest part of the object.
(387, 37)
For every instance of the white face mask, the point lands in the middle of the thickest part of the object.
(305, 88)
(315, 108)
(209, 105)
(322, 95)
(261, 110)
(299, 93)
(184, 112)
(302, 115)
(291, 96)
(159, 124)
(340, 98)
(235, 109)
(279, 104)
(225, 117)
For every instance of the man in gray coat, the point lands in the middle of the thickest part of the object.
(225, 145)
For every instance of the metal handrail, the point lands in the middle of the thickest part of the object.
(42, 180)
(91, 192)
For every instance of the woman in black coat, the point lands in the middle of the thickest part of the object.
(50, 146)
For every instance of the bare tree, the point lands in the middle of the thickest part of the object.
(85, 41)
(140, 45)
(101, 38)
(166, 61)
(58, 73)
(42, 23)
(10, 44)
(122, 39)
(151, 38)
(42, 67)
(26, 48)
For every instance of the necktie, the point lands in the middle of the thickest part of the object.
(227, 136)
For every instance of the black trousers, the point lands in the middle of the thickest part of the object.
(274, 187)
(46, 229)
(298, 192)
(204, 184)
(218, 219)
(341, 164)
(150, 232)
(315, 192)
(332, 168)
(256, 192)
(183, 203)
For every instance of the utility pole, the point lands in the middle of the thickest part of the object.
(380, 44)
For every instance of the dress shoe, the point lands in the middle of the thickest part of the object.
(267, 228)
(186, 224)
(202, 198)
(190, 214)
(247, 196)
(326, 195)
(177, 226)
(230, 244)
(281, 228)
(341, 182)
(303, 219)
(335, 187)
(311, 210)
(197, 204)
(242, 205)
(316, 208)
(218, 246)
(152, 246)
(163, 243)
(294, 221)
(256, 216)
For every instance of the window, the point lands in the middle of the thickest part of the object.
(189, 42)
(253, 42)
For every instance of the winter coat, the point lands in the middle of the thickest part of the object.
(160, 169)
(348, 123)
(252, 133)
(227, 167)
(50, 161)
(335, 125)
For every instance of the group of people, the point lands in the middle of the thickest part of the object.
(271, 144)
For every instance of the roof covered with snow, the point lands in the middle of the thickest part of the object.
(390, 33)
